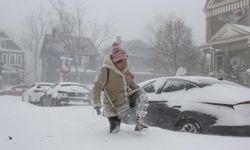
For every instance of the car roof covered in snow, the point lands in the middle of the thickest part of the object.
(199, 80)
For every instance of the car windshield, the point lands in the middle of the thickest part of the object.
(43, 85)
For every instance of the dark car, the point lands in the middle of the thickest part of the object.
(198, 105)
(17, 90)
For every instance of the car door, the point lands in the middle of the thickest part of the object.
(157, 106)
(173, 93)
(165, 108)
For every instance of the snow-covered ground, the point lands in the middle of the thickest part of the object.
(77, 127)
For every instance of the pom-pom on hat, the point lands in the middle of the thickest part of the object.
(115, 45)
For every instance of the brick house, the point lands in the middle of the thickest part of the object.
(228, 38)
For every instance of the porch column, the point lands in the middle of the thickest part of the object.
(213, 60)
(226, 62)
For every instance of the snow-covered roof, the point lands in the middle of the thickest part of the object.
(245, 28)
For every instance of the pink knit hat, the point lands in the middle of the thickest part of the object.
(118, 53)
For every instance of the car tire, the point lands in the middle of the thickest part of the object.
(189, 125)
(53, 102)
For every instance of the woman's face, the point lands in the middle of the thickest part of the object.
(121, 65)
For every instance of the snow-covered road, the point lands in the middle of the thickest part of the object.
(79, 128)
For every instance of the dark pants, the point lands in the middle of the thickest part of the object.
(114, 124)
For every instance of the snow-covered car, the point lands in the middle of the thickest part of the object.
(64, 92)
(198, 105)
(35, 92)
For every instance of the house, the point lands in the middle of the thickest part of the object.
(228, 38)
(56, 55)
(141, 58)
(12, 61)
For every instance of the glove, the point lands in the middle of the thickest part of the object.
(98, 110)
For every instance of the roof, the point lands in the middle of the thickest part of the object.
(9, 44)
(229, 31)
(53, 44)
(215, 3)
(3, 35)
(245, 28)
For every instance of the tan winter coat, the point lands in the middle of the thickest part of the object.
(117, 88)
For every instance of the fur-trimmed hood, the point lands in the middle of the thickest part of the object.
(107, 62)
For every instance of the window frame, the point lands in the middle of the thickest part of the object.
(187, 85)
(19, 57)
(4, 55)
(14, 59)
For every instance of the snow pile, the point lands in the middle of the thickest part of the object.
(27, 127)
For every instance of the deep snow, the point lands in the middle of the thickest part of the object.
(77, 127)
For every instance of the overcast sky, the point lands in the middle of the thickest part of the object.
(129, 17)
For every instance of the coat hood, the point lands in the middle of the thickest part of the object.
(107, 62)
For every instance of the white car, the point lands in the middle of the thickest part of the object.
(198, 105)
(35, 92)
(64, 92)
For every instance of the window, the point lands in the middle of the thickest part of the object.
(154, 86)
(4, 58)
(12, 59)
(19, 60)
(150, 88)
(173, 85)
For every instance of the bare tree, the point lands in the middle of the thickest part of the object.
(172, 40)
(74, 30)
(36, 25)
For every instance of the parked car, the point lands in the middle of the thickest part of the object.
(198, 105)
(64, 92)
(16, 90)
(35, 92)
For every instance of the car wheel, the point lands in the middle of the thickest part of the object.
(53, 102)
(189, 125)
